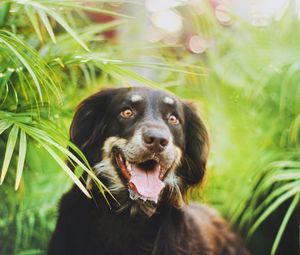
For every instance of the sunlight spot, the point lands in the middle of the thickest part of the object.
(297, 2)
(263, 11)
(167, 20)
(22, 1)
(10, 69)
(170, 40)
(222, 13)
(197, 44)
(161, 5)
(154, 35)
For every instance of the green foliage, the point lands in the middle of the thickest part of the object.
(51, 56)
(252, 102)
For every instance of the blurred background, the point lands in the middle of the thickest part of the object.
(239, 61)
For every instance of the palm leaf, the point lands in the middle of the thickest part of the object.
(10, 146)
(25, 63)
(65, 168)
(34, 21)
(120, 73)
(43, 10)
(21, 160)
(41, 74)
(284, 223)
(76, 6)
(281, 199)
(4, 10)
(81, 161)
(46, 22)
(4, 125)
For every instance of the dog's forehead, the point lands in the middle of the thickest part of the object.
(154, 95)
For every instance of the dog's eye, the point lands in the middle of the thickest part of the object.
(127, 113)
(173, 120)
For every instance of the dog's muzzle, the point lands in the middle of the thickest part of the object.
(145, 179)
(144, 161)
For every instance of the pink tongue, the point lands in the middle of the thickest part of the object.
(147, 182)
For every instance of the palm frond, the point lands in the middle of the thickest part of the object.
(10, 146)
(43, 135)
(51, 9)
(20, 58)
(21, 159)
(285, 220)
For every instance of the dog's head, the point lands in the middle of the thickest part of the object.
(146, 145)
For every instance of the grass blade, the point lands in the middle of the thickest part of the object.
(66, 26)
(119, 73)
(42, 136)
(21, 160)
(34, 21)
(273, 207)
(26, 64)
(284, 223)
(10, 146)
(47, 24)
(3, 126)
(76, 6)
(4, 10)
(66, 169)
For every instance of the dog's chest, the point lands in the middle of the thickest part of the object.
(115, 234)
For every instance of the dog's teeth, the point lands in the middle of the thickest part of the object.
(133, 195)
(155, 158)
(162, 173)
(129, 168)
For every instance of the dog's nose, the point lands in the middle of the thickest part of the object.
(155, 140)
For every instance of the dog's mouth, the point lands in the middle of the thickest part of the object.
(145, 178)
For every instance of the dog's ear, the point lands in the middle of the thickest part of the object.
(196, 147)
(89, 117)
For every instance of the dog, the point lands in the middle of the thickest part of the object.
(148, 148)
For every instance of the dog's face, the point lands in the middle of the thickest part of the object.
(146, 145)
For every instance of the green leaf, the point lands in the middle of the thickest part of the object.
(34, 21)
(3, 126)
(41, 135)
(281, 199)
(76, 6)
(47, 24)
(26, 64)
(295, 128)
(45, 141)
(21, 160)
(285, 220)
(66, 169)
(4, 10)
(10, 146)
(64, 24)
(273, 195)
(120, 73)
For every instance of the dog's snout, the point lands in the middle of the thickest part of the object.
(155, 140)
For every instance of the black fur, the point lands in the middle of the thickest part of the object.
(88, 227)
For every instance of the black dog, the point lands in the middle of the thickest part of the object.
(148, 148)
